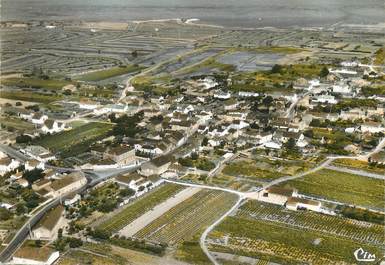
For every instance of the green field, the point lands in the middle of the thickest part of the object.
(285, 244)
(36, 83)
(75, 141)
(139, 207)
(188, 218)
(30, 96)
(342, 187)
(250, 170)
(17, 124)
(358, 164)
(108, 73)
(334, 225)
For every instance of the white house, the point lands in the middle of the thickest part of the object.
(88, 104)
(296, 203)
(33, 163)
(156, 166)
(247, 94)
(222, 95)
(8, 164)
(52, 126)
(72, 200)
(341, 89)
(272, 145)
(47, 228)
(39, 118)
(38, 152)
(372, 127)
(325, 99)
(276, 195)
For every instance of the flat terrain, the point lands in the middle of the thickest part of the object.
(342, 187)
(273, 233)
(186, 219)
(76, 140)
(139, 207)
(157, 211)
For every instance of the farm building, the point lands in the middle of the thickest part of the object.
(49, 225)
(277, 195)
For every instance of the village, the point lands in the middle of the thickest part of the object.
(141, 163)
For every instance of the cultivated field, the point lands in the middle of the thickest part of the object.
(342, 187)
(139, 207)
(76, 140)
(272, 233)
(108, 73)
(183, 221)
(358, 164)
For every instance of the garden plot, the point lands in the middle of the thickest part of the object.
(284, 243)
(342, 227)
(342, 187)
(157, 211)
(188, 218)
(251, 61)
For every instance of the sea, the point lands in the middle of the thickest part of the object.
(230, 13)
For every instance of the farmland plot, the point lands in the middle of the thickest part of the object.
(188, 218)
(283, 243)
(139, 207)
(342, 227)
(342, 187)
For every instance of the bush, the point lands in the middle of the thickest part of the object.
(23, 139)
(74, 242)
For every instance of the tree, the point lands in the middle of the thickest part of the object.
(74, 242)
(5, 214)
(205, 141)
(60, 233)
(20, 208)
(100, 234)
(38, 243)
(23, 139)
(126, 192)
(33, 175)
(276, 69)
(324, 72)
(267, 101)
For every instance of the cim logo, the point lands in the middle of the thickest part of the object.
(362, 255)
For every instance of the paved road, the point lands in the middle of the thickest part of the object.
(203, 237)
(13, 153)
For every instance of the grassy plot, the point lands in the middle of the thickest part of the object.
(188, 218)
(51, 84)
(75, 257)
(379, 58)
(250, 170)
(17, 124)
(283, 243)
(334, 225)
(191, 252)
(30, 96)
(342, 187)
(139, 207)
(108, 73)
(75, 141)
(358, 164)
